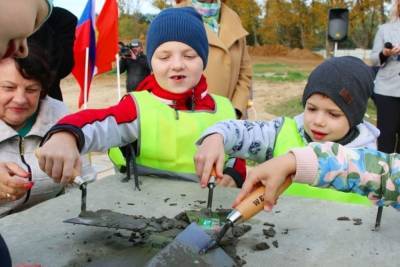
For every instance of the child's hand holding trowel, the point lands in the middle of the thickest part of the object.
(271, 174)
(210, 154)
(59, 157)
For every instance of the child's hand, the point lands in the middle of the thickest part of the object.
(13, 182)
(209, 153)
(272, 175)
(59, 157)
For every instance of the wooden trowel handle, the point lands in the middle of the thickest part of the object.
(254, 203)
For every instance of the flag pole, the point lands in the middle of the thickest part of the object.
(85, 87)
(118, 78)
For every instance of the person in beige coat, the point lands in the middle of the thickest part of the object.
(228, 71)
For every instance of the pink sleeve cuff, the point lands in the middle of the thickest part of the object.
(306, 165)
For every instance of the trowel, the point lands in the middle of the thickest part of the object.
(184, 251)
(194, 247)
(249, 207)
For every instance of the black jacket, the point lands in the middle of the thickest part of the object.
(57, 36)
(137, 69)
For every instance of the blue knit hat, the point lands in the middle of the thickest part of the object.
(183, 25)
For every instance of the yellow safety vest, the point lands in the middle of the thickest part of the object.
(166, 143)
(288, 138)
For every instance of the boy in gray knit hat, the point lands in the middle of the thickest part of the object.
(335, 100)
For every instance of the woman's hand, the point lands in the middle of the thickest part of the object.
(209, 153)
(59, 157)
(272, 174)
(14, 182)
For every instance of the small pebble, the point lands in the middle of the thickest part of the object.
(285, 231)
(343, 218)
(183, 195)
(261, 246)
(269, 224)
(269, 232)
(166, 199)
(131, 204)
(118, 234)
(173, 204)
(357, 221)
(275, 243)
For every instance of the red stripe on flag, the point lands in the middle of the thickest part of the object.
(107, 39)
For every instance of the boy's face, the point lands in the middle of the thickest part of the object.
(176, 66)
(324, 120)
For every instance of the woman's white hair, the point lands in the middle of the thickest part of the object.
(395, 13)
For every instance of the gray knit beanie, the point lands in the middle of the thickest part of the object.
(347, 81)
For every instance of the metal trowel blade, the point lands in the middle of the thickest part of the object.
(184, 251)
(109, 219)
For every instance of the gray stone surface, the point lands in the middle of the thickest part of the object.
(307, 231)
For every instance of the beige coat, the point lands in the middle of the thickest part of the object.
(228, 69)
(20, 150)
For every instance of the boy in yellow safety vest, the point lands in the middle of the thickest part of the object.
(165, 114)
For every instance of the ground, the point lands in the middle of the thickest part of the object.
(265, 92)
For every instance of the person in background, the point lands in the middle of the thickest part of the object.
(229, 71)
(386, 54)
(134, 62)
(56, 37)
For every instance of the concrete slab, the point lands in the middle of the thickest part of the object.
(307, 231)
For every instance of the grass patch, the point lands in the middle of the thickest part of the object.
(278, 72)
(293, 106)
(289, 108)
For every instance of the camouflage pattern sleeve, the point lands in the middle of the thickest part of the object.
(359, 170)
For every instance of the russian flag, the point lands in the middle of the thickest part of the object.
(85, 38)
(107, 38)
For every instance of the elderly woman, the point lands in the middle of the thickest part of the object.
(26, 114)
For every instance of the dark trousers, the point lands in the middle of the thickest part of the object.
(388, 115)
(5, 259)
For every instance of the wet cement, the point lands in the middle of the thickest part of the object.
(153, 234)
